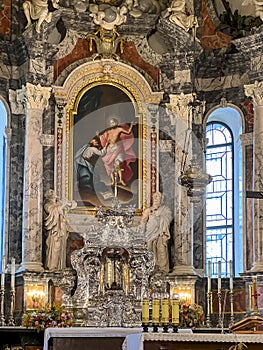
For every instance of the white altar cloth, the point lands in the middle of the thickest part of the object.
(135, 341)
(87, 332)
(134, 337)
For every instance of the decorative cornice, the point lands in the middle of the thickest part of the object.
(256, 92)
(178, 107)
(37, 96)
(17, 100)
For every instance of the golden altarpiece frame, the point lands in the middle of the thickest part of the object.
(114, 265)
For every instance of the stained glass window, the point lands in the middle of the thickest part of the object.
(219, 197)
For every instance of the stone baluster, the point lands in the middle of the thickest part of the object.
(256, 92)
(36, 100)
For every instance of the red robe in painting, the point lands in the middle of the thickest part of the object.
(121, 150)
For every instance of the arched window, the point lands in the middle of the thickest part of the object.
(3, 124)
(224, 193)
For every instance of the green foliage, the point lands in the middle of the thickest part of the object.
(236, 25)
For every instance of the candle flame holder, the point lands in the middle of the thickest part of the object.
(2, 314)
(208, 315)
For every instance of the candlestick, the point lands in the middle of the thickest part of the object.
(175, 312)
(208, 313)
(165, 311)
(156, 312)
(209, 276)
(219, 276)
(255, 295)
(232, 318)
(13, 269)
(231, 275)
(3, 272)
(145, 311)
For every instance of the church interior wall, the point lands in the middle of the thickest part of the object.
(164, 55)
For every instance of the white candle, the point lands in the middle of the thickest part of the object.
(219, 276)
(13, 269)
(209, 276)
(231, 275)
(3, 273)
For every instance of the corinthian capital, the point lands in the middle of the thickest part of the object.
(37, 96)
(256, 92)
(179, 106)
(17, 100)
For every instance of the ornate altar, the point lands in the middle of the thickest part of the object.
(113, 270)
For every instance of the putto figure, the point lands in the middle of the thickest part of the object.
(38, 10)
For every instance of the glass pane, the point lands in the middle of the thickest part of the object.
(219, 198)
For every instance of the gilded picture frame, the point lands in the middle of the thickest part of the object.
(96, 179)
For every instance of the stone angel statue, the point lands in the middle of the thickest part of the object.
(156, 220)
(181, 13)
(38, 10)
(57, 227)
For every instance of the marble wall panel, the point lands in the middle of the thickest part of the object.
(198, 236)
(249, 207)
(249, 109)
(16, 187)
(5, 18)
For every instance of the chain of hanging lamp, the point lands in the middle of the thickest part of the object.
(193, 178)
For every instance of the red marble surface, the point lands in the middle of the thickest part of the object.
(81, 50)
(212, 39)
(131, 55)
(248, 106)
(239, 302)
(5, 18)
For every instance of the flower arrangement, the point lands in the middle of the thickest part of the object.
(54, 316)
(191, 316)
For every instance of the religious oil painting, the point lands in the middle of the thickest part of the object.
(105, 148)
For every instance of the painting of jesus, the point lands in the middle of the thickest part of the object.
(105, 148)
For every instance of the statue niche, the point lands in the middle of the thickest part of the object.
(115, 268)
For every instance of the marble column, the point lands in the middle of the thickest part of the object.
(183, 211)
(36, 98)
(256, 92)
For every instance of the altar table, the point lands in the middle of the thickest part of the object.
(86, 338)
(196, 341)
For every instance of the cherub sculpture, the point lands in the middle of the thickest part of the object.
(38, 10)
(179, 14)
(107, 37)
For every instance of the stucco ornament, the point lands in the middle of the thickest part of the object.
(106, 38)
(38, 10)
(108, 17)
(258, 6)
(181, 13)
(138, 7)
